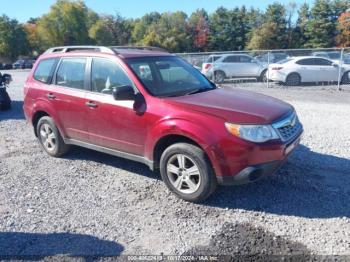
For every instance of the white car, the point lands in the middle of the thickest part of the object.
(228, 66)
(297, 70)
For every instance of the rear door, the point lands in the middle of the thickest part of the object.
(68, 96)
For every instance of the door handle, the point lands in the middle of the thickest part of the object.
(91, 104)
(51, 96)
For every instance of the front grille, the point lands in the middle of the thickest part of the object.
(288, 127)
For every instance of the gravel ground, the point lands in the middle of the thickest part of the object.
(94, 205)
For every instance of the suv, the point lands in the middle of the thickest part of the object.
(147, 105)
(230, 66)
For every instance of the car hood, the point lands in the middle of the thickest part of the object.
(235, 105)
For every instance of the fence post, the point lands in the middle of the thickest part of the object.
(340, 68)
(268, 72)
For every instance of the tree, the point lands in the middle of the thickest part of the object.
(13, 41)
(273, 33)
(199, 29)
(264, 37)
(34, 42)
(111, 30)
(228, 29)
(320, 30)
(299, 38)
(142, 26)
(67, 23)
(170, 32)
(343, 37)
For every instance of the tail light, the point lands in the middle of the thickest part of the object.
(276, 68)
(207, 66)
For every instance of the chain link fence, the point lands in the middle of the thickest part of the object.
(325, 68)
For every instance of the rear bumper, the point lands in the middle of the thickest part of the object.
(251, 174)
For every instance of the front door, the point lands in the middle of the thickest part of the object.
(111, 123)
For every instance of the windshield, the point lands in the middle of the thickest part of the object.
(169, 76)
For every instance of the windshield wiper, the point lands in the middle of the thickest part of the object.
(199, 90)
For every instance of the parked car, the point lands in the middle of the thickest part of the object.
(272, 57)
(173, 120)
(235, 66)
(23, 64)
(294, 71)
(331, 55)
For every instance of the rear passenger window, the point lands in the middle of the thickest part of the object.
(71, 73)
(44, 70)
(307, 61)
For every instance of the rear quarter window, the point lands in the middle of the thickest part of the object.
(45, 69)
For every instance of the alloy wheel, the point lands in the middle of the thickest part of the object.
(48, 137)
(183, 173)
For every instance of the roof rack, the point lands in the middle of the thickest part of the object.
(150, 48)
(67, 49)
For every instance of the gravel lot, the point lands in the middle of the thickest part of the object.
(92, 204)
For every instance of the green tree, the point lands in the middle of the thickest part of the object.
(170, 32)
(321, 28)
(228, 29)
(67, 23)
(273, 33)
(299, 33)
(264, 37)
(111, 30)
(13, 39)
(142, 26)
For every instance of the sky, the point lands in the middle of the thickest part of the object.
(22, 10)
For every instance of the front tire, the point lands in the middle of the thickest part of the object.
(186, 171)
(50, 138)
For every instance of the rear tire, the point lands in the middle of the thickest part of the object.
(186, 171)
(219, 77)
(293, 79)
(50, 138)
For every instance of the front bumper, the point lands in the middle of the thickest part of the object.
(255, 172)
(251, 174)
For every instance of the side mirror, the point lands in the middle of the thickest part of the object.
(123, 93)
(335, 65)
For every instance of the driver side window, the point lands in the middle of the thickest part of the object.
(107, 75)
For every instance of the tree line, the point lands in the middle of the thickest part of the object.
(326, 23)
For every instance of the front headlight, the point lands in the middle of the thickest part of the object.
(253, 133)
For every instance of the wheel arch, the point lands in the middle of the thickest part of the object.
(36, 117)
(164, 142)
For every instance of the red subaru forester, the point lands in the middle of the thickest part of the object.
(147, 105)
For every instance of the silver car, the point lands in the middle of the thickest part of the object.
(229, 66)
